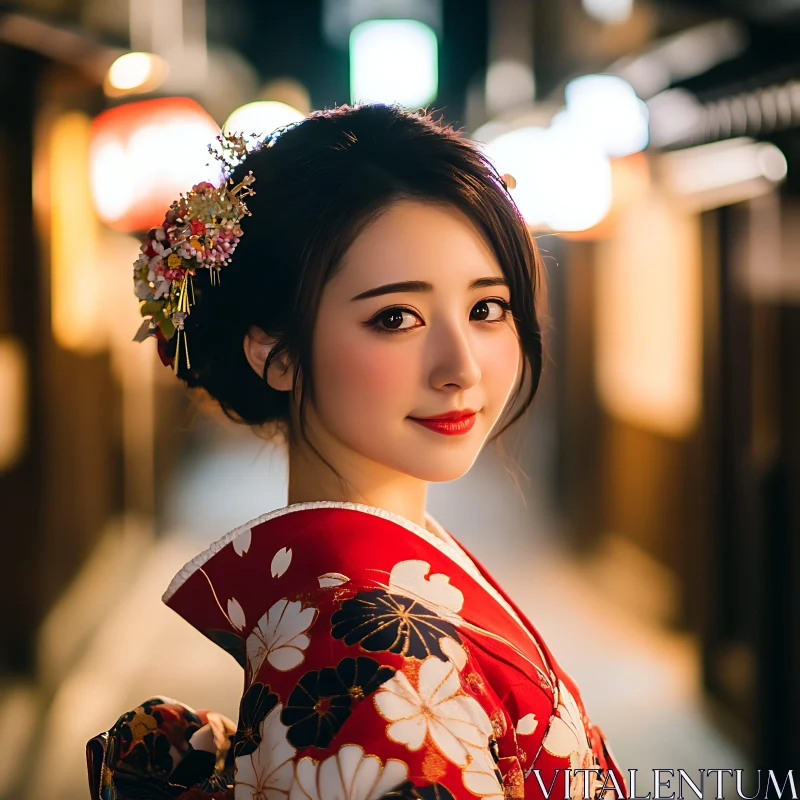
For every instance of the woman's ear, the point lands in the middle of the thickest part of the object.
(257, 346)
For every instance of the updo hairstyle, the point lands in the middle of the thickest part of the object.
(318, 184)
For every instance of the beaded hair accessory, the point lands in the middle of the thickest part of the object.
(200, 231)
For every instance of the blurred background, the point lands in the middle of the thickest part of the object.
(650, 525)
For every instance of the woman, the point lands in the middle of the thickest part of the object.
(380, 311)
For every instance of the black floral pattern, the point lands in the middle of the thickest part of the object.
(198, 770)
(256, 703)
(323, 699)
(151, 754)
(317, 709)
(142, 744)
(196, 773)
(408, 791)
(230, 643)
(378, 620)
(362, 676)
(134, 759)
(132, 784)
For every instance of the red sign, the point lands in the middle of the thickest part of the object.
(144, 154)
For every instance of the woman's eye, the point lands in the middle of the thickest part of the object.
(487, 310)
(394, 319)
(398, 320)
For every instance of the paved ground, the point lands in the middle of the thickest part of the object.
(639, 683)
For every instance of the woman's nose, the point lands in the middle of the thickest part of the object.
(453, 359)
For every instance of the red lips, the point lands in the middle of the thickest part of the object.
(457, 414)
(453, 423)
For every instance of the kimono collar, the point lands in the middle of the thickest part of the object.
(433, 533)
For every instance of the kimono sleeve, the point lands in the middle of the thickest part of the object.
(163, 748)
(361, 692)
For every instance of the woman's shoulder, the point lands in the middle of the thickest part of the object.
(289, 555)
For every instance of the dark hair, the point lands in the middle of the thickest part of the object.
(318, 184)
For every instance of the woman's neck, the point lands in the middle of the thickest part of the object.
(310, 480)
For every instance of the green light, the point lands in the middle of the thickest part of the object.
(393, 61)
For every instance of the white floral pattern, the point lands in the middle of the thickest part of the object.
(527, 725)
(437, 708)
(566, 734)
(454, 651)
(280, 636)
(480, 775)
(241, 543)
(236, 614)
(267, 773)
(349, 774)
(409, 578)
(330, 579)
(280, 562)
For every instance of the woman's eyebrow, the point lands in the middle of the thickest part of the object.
(423, 286)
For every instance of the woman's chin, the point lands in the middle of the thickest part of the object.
(441, 470)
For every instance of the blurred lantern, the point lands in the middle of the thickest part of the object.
(143, 155)
(648, 317)
(257, 120)
(135, 72)
(606, 109)
(563, 182)
(76, 276)
(393, 61)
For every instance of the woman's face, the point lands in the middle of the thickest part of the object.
(441, 341)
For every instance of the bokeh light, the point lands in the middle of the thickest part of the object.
(256, 120)
(393, 61)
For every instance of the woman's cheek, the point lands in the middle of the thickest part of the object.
(385, 375)
(501, 370)
(364, 373)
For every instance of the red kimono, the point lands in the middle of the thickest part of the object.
(380, 661)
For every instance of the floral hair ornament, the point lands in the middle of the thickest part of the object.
(200, 231)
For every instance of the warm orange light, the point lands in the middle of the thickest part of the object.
(135, 72)
(630, 182)
(76, 275)
(13, 401)
(648, 317)
(144, 155)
